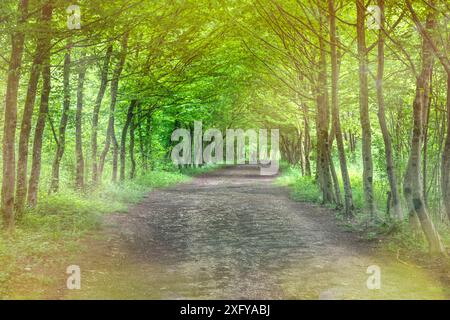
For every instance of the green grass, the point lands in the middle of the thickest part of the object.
(53, 231)
(396, 235)
(302, 188)
(191, 171)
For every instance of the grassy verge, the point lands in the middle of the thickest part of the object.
(52, 232)
(396, 236)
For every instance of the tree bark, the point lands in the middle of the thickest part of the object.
(445, 62)
(301, 153)
(39, 133)
(132, 143)
(79, 178)
(426, 120)
(307, 141)
(110, 133)
(413, 185)
(95, 114)
(115, 160)
(25, 128)
(61, 139)
(348, 202)
(364, 109)
(390, 169)
(322, 119)
(9, 130)
(445, 179)
(123, 140)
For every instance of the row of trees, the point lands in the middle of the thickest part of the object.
(333, 75)
(138, 58)
(319, 42)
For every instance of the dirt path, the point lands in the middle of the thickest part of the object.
(233, 234)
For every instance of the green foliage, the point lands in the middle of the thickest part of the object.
(303, 188)
(190, 171)
(396, 235)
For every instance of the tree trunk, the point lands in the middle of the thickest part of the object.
(364, 110)
(413, 185)
(79, 178)
(141, 139)
(335, 111)
(132, 158)
(429, 44)
(61, 139)
(336, 186)
(300, 151)
(123, 140)
(25, 128)
(445, 179)
(395, 195)
(425, 145)
(95, 114)
(307, 142)
(322, 119)
(9, 130)
(115, 160)
(38, 134)
(10, 120)
(110, 133)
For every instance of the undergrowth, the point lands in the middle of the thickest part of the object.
(53, 230)
(396, 235)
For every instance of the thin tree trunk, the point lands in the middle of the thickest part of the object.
(427, 37)
(445, 179)
(132, 142)
(61, 138)
(25, 128)
(141, 139)
(335, 111)
(425, 146)
(9, 130)
(395, 195)
(364, 110)
(307, 142)
(413, 185)
(38, 135)
(322, 118)
(79, 178)
(336, 186)
(300, 150)
(110, 133)
(123, 140)
(95, 114)
(115, 160)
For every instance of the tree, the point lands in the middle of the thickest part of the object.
(9, 132)
(123, 141)
(390, 169)
(132, 142)
(25, 128)
(110, 133)
(335, 110)
(322, 121)
(412, 185)
(95, 114)
(33, 185)
(364, 109)
(61, 138)
(79, 177)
